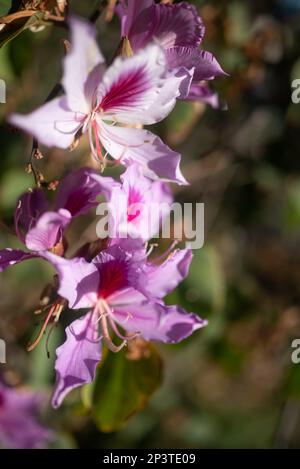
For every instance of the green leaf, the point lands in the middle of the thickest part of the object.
(5, 6)
(15, 29)
(123, 387)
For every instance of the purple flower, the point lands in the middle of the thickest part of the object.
(111, 105)
(180, 31)
(137, 205)
(42, 229)
(19, 426)
(121, 289)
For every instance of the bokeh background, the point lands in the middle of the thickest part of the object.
(232, 384)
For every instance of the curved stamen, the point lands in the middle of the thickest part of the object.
(118, 333)
(105, 318)
(97, 141)
(107, 339)
(96, 151)
(167, 254)
(56, 310)
(151, 248)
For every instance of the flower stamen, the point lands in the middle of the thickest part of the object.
(55, 311)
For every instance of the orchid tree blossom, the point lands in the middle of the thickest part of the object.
(19, 426)
(180, 31)
(123, 294)
(111, 105)
(41, 228)
(137, 205)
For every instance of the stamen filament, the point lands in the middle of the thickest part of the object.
(165, 255)
(118, 333)
(107, 339)
(56, 310)
(104, 313)
(41, 333)
(97, 141)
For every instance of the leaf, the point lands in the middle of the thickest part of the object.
(5, 6)
(15, 27)
(123, 386)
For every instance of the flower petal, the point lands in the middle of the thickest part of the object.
(157, 160)
(30, 207)
(155, 321)
(137, 89)
(79, 190)
(79, 64)
(48, 230)
(201, 92)
(9, 257)
(119, 270)
(78, 280)
(53, 124)
(146, 203)
(162, 279)
(143, 21)
(177, 25)
(135, 14)
(77, 358)
(206, 67)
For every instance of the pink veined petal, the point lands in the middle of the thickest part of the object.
(143, 21)
(48, 230)
(79, 81)
(9, 257)
(177, 25)
(77, 358)
(157, 160)
(174, 85)
(164, 278)
(140, 188)
(78, 280)
(119, 270)
(134, 85)
(147, 202)
(155, 321)
(205, 65)
(53, 124)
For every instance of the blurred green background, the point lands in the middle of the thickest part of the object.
(232, 384)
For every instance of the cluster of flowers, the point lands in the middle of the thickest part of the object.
(118, 285)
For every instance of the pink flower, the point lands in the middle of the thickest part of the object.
(111, 105)
(121, 289)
